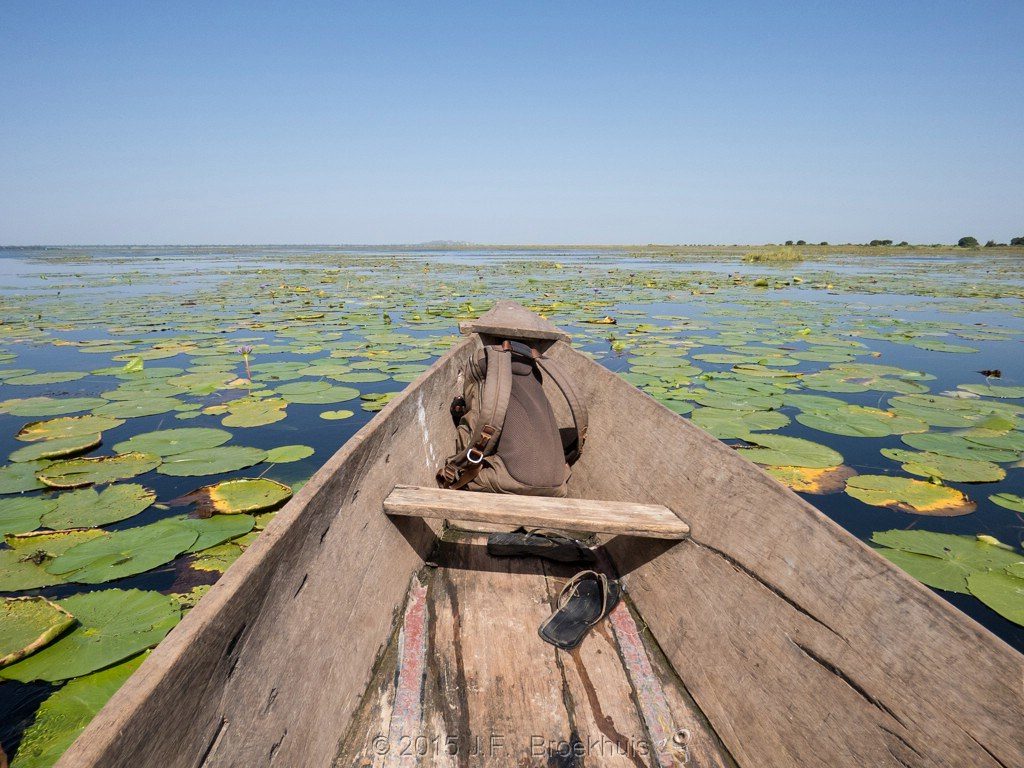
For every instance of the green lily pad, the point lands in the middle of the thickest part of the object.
(949, 468)
(957, 446)
(23, 565)
(1001, 592)
(1009, 501)
(171, 442)
(117, 554)
(942, 560)
(994, 390)
(66, 426)
(30, 407)
(316, 395)
(783, 451)
(336, 415)
(215, 530)
(88, 508)
(49, 377)
(113, 624)
(285, 454)
(23, 513)
(254, 412)
(21, 477)
(220, 558)
(55, 449)
(76, 473)
(907, 495)
(212, 461)
(860, 421)
(131, 409)
(28, 624)
(725, 424)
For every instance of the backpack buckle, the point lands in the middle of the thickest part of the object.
(474, 459)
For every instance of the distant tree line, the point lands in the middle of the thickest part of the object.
(963, 242)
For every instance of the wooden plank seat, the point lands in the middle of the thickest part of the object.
(615, 517)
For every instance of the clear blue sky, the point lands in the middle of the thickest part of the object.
(576, 122)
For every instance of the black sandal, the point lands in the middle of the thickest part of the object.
(585, 599)
(539, 542)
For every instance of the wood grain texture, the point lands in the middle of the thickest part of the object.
(269, 667)
(799, 644)
(509, 320)
(651, 520)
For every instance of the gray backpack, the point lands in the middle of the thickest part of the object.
(508, 438)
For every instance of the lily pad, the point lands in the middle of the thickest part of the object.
(55, 449)
(243, 495)
(117, 554)
(813, 480)
(88, 508)
(860, 421)
(254, 412)
(907, 495)
(783, 451)
(948, 468)
(295, 393)
(171, 442)
(212, 461)
(336, 415)
(957, 446)
(30, 407)
(28, 624)
(47, 377)
(1001, 592)
(23, 565)
(113, 624)
(23, 513)
(66, 426)
(77, 473)
(285, 454)
(725, 424)
(942, 560)
(215, 530)
(1009, 501)
(21, 477)
(131, 409)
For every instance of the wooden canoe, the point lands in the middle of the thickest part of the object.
(768, 637)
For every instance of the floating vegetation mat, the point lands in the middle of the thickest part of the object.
(158, 405)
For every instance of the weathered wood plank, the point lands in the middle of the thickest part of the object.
(496, 684)
(651, 520)
(800, 644)
(510, 320)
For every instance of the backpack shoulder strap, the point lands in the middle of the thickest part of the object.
(577, 407)
(494, 397)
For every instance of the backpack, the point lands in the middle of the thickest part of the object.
(508, 439)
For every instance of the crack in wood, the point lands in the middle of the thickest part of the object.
(854, 685)
(770, 587)
(276, 746)
(988, 751)
(217, 735)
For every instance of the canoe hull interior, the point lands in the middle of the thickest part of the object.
(798, 644)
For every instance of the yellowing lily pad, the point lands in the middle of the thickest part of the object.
(813, 480)
(28, 624)
(907, 495)
(285, 454)
(243, 495)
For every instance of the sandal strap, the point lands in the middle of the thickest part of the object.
(572, 584)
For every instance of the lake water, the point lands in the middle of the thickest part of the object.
(333, 328)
